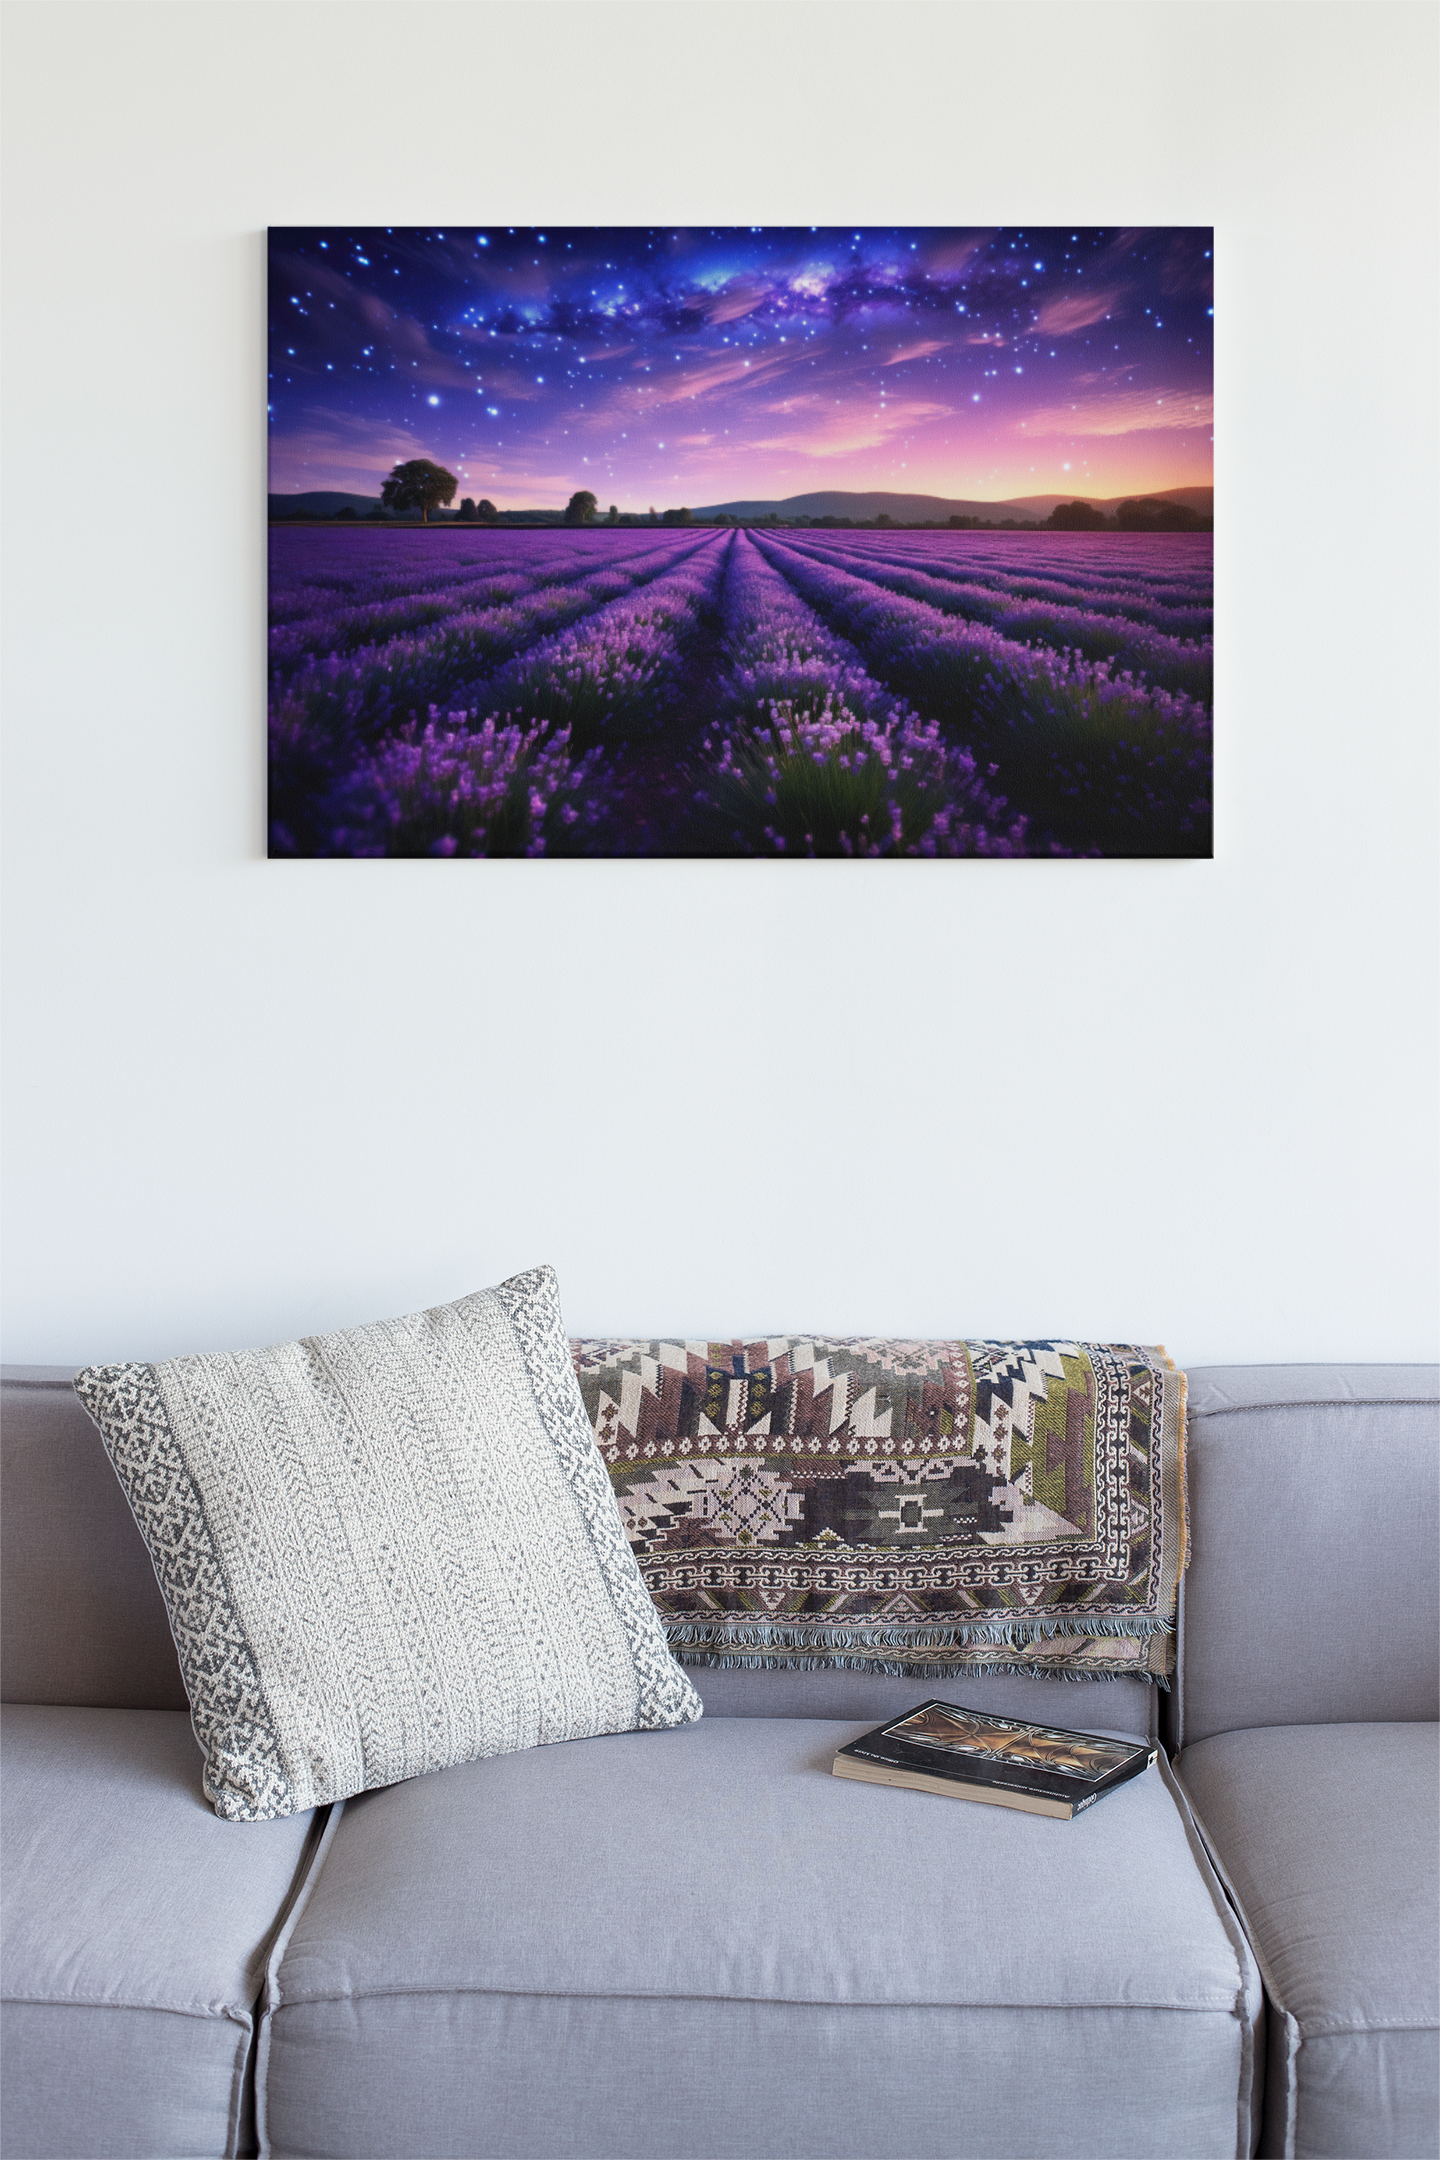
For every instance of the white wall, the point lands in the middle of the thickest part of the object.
(1179, 1101)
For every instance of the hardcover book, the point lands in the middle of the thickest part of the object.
(940, 1747)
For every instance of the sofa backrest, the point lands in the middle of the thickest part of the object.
(81, 1615)
(1120, 1706)
(1310, 1598)
(83, 1622)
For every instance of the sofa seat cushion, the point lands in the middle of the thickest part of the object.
(700, 1942)
(1328, 1834)
(136, 1926)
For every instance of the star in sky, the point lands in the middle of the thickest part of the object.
(699, 366)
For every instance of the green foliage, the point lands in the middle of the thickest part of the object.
(1076, 517)
(581, 508)
(1147, 514)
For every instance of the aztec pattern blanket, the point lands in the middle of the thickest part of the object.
(925, 1508)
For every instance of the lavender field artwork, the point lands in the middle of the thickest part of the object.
(929, 575)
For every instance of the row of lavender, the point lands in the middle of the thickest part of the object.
(1167, 639)
(1101, 758)
(571, 642)
(538, 765)
(813, 694)
(812, 754)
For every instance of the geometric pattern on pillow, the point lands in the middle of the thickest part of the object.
(386, 1550)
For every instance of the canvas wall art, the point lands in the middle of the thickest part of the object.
(771, 542)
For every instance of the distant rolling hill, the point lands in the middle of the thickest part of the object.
(904, 509)
(917, 509)
(835, 502)
(1199, 499)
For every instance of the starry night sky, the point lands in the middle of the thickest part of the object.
(698, 366)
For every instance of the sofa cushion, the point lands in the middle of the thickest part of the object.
(700, 1942)
(1328, 1834)
(1307, 1600)
(136, 1927)
(386, 1549)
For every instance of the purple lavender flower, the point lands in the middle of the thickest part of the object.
(1097, 755)
(466, 786)
(857, 693)
(819, 755)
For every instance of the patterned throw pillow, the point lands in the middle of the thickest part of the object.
(928, 1508)
(386, 1550)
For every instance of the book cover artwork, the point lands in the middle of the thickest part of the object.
(966, 1733)
(962, 1754)
(782, 541)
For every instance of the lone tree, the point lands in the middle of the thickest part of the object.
(614, 517)
(581, 508)
(418, 485)
(486, 512)
(467, 508)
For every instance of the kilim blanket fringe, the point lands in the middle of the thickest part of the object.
(1015, 1632)
(881, 1503)
(942, 1669)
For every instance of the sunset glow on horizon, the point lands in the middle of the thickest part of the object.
(668, 366)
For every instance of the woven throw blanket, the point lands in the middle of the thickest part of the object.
(926, 1508)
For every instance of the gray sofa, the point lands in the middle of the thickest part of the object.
(697, 1942)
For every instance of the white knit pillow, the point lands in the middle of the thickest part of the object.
(387, 1550)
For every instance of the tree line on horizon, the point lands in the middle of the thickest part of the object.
(420, 485)
(1138, 513)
